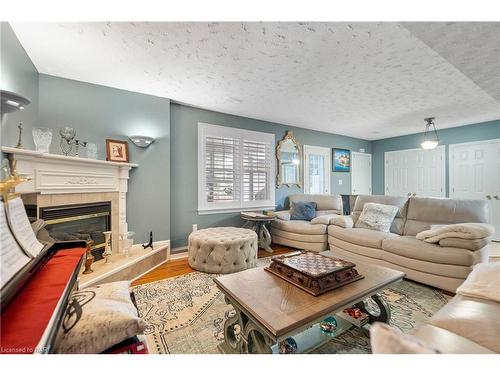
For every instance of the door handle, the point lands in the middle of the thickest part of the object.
(488, 197)
(496, 197)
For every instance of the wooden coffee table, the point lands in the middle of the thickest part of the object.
(269, 309)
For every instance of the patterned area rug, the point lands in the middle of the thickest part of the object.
(186, 314)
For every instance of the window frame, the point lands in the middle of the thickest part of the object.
(204, 207)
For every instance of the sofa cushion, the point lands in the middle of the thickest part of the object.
(448, 342)
(360, 236)
(299, 226)
(314, 238)
(352, 249)
(376, 216)
(424, 212)
(385, 339)
(324, 219)
(409, 246)
(342, 221)
(474, 319)
(302, 210)
(323, 202)
(398, 223)
(439, 269)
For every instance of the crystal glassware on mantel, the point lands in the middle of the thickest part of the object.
(42, 138)
(92, 151)
(67, 139)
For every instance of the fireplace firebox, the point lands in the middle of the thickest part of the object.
(79, 222)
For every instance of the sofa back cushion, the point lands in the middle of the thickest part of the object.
(325, 204)
(398, 223)
(424, 212)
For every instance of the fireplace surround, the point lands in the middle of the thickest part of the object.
(60, 180)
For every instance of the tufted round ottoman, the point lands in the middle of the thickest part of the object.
(222, 250)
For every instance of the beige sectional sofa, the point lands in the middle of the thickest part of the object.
(444, 265)
(302, 234)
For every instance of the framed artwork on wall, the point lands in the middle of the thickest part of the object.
(117, 151)
(341, 160)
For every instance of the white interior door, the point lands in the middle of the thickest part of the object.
(475, 174)
(415, 172)
(361, 173)
(317, 170)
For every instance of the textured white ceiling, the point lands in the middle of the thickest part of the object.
(366, 80)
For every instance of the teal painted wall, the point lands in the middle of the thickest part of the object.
(468, 133)
(17, 74)
(184, 163)
(99, 112)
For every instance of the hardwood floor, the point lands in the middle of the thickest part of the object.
(180, 266)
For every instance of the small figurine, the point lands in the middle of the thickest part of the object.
(288, 346)
(328, 325)
(20, 136)
(89, 258)
(150, 244)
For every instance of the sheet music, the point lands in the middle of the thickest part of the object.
(21, 227)
(12, 257)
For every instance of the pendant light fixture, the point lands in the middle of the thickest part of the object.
(431, 139)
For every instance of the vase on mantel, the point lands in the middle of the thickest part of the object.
(107, 248)
(42, 137)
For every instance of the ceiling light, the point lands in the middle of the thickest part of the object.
(431, 140)
(141, 140)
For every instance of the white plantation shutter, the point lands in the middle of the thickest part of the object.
(221, 169)
(236, 169)
(256, 171)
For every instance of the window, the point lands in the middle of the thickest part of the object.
(236, 169)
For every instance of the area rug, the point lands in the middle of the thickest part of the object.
(186, 314)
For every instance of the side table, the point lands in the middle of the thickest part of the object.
(257, 222)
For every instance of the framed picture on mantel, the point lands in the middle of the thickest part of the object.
(341, 160)
(117, 151)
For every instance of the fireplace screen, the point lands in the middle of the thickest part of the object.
(79, 222)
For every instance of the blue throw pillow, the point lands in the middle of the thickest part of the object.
(302, 211)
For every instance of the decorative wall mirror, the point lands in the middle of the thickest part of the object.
(289, 160)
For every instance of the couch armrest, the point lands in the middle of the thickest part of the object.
(342, 221)
(283, 215)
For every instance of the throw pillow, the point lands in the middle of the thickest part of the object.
(98, 318)
(376, 216)
(303, 211)
(385, 339)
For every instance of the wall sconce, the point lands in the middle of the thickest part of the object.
(12, 102)
(141, 140)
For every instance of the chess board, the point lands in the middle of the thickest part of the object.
(313, 272)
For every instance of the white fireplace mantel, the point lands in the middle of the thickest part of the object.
(59, 174)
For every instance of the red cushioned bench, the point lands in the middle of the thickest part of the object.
(31, 320)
